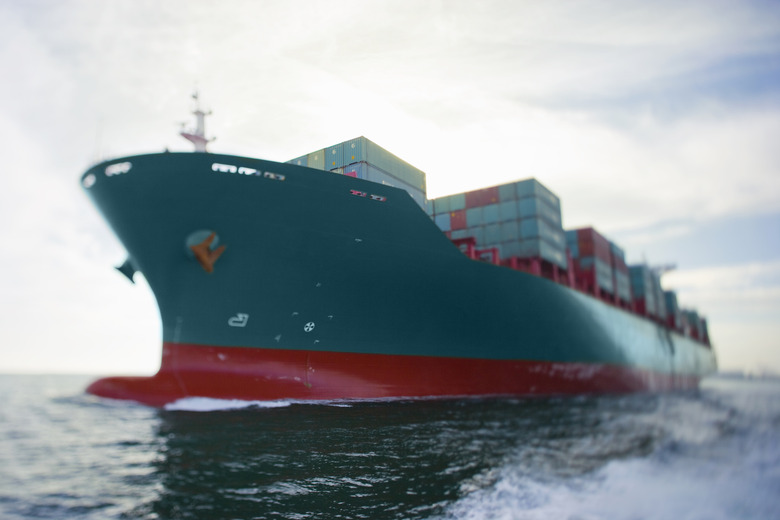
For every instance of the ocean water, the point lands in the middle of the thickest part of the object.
(710, 454)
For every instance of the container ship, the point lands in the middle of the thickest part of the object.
(332, 276)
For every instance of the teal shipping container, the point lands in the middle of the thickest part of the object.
(535, 189)
(443, 221)
(361, 149)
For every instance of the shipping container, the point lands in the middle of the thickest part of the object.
(557, 237)
(354, 150)
(449, 203)
(380, 176)
(538, 247)
(623, 286)
(443, 221)
(619, 265)
(673, 316)
(510, 231)
(692, 324)
(490, 214)
(381, 158)
(316, 160)
(539, 227)
(482, 197)
(357, 170)
(617, 251)
(532, 207)
(571, 243)
(584, 242)
(642, 288)
(508, 210)
(535, 248)
(363, 150)
(659, 295)
(705, 334)
(474, 216)
(300, 161)
(535, 189)
(492, 234)
(334, 156)
(507, 192)
(458, 220)
(457, 201)
(441, 205)
(478, 232)
(598, 271)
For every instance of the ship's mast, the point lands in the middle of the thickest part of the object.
(198, 135)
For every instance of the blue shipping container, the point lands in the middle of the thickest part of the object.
(300, 161)
(490, 214)
(492, 234)
(457, 201)
(316, 160)
(510, 231)
(530, 207)
(535, 189)
(507, 192)
(354, 150)
(508, 210)
(474, 217)
(334, 156)
(441, 205)
(443, 221)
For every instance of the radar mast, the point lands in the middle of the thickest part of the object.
(197, 136)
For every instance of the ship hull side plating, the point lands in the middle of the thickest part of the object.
(255, 374)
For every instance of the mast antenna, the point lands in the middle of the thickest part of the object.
(197, 136)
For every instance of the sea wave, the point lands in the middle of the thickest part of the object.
(718, 458)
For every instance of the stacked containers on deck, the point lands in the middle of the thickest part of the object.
(694, 325)
(660, 300)
(644, 290)
(521, 219)
(620, 273)
(592, 257)
(673, 315)
(367, 160)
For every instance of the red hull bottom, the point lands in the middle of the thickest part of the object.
(256, 374)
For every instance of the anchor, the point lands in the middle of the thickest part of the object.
(206, 256)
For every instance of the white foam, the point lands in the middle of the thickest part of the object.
(741, 485)
(719, 460)
(208, 404)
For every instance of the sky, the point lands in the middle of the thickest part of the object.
(655, 122)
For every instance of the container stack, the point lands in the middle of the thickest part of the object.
(660, 300)
(694, 325)
(592, 257)
(521, 219)
(364, 159)
(643, 289)
(673, 314)
(620, 274)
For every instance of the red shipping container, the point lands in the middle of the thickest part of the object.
(592, 243)
(483, 197)
(458, 219)
(619, 264)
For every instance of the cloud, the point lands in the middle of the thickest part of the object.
(749, 291)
